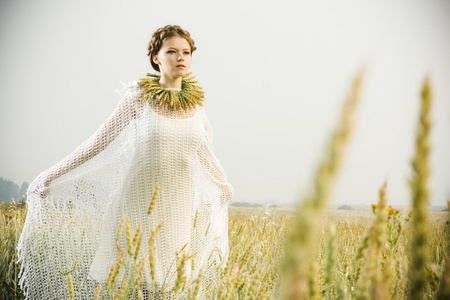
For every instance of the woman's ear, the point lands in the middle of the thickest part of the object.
(155, 59)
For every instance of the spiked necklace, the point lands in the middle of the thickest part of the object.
(187, 98)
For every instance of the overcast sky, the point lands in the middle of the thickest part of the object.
(275, 74)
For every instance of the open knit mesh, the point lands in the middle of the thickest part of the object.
(75, 207)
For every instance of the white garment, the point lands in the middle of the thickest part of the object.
(114, 173)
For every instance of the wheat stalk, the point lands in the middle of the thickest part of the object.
(370, 285)
(331, 261)
(120, 262)
(97, 292)
(153, 201)
(418, 268)
(299, 243)
(70, 283)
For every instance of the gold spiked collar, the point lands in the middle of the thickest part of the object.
(187, 98)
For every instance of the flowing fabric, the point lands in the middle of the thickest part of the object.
(113, 174)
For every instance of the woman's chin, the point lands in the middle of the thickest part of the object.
(182, 71)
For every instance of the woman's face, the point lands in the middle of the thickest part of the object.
(174, 57)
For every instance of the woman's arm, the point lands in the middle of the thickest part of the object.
(213, 167)
(127, 109)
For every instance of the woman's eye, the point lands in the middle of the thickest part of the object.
(186, 52)
(170, 51)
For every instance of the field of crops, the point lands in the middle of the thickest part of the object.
(256, 246)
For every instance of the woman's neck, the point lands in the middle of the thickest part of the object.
(170, 82)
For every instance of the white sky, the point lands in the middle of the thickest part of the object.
(275, 75)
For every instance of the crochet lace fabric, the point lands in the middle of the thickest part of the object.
(114, 173)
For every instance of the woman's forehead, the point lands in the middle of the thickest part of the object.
(176, 42)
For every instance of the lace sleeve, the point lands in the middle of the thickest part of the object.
(213, 167)
(128, 108)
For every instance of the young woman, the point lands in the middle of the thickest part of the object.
(157, 138)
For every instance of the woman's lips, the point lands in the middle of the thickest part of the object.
(181, 66)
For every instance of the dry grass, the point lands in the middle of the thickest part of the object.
(256, 245)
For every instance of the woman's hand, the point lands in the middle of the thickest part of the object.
(227, 194)
(42, 189)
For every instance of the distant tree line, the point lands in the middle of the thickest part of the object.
(9, 190)
(345, 207)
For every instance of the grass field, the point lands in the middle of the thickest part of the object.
(257, 244)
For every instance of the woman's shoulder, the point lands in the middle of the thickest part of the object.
(130, 90)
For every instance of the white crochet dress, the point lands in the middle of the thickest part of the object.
(114, 173)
